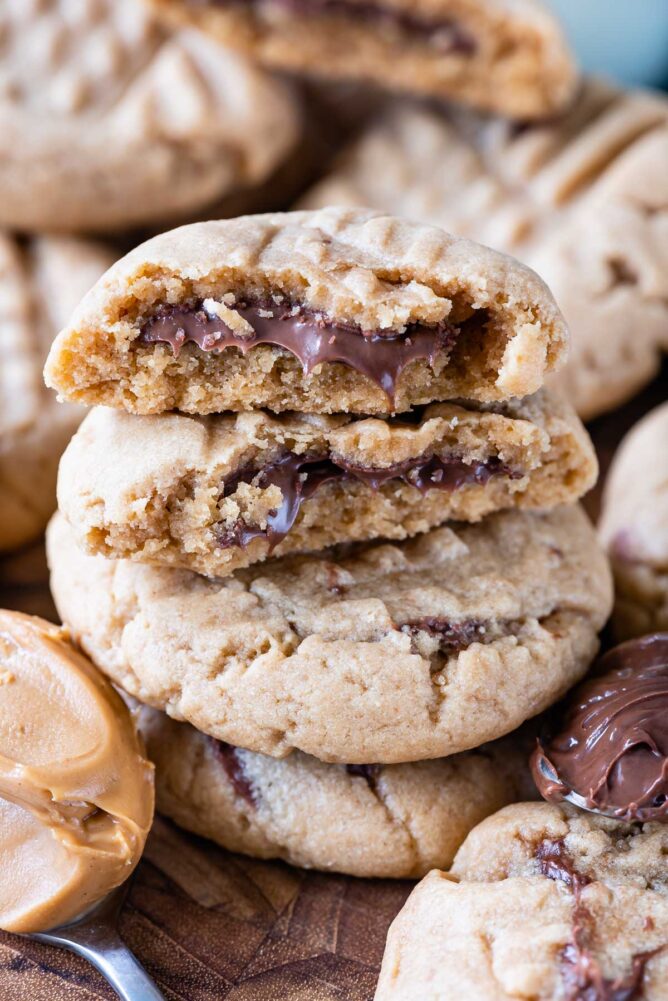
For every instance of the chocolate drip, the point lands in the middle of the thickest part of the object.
(307, 335)
(300, 476)
(444, 34)
(609, 742)
(581, 972)
(234, 769)
(370, 773)
(556, 863)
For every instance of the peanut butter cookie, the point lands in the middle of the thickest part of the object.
(509, 57)
(333, 311)
(380, 653)
(542, 902)
(217, 493)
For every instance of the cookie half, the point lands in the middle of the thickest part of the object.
(580, 199)
(41, 281)
(324, 312)
(634, 527)
(114, 123)
(541, 902)
(217, 493)
(366, 820)
(387, 653)
(510, 58)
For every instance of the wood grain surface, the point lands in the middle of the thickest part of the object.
(211, 925)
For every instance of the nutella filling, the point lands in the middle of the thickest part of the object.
(453, 636)
(300, 476)
(234, 769)
(370, 774)
(444, 34)
(610, 742)
(307, 335)
(580, 970)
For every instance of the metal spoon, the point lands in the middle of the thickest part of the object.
(571, 796)
(94, 935)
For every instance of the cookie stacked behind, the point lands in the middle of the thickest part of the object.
(343, 379)
(579, 198)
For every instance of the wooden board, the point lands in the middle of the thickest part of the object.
(211, 925)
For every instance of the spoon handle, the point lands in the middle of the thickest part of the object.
(109, 954)
(118, 965)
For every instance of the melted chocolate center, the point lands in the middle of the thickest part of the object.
(610, 745)
(309, 336)
(370, 774)
(452, 636)
(300, 476)
(234, 769)
(580, 970)
(444, 34)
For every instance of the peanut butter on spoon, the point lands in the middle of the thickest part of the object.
(76, 791)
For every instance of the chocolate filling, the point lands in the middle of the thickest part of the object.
(556, 863)
(444, 34)
(300, 476)
(453, 636)
(581, 972)
(309, 336)
(234, 769)
(609, 742)
(370, 774)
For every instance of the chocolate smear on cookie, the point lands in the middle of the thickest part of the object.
(370, 774)
(580, 970)
(300, 476)
(453, 636)
(234, 769)
(309, 336)
(608, 743)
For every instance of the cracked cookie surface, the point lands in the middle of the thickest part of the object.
(507, 57)
(113, 123)
(581, 199)
(217, 493)
(634, 527)
(334, 311)
(366, 820)
(385, 654)
(544, 903)
(41, 281)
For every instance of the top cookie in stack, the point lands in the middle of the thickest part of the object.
(335, 321)
(336, 311)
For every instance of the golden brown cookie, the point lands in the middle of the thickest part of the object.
(380, 653)
(217, 493)
(366, 820)
(580, 199)
(323, 312)
(507, 57)
(634, 527)
(542, 902)
(41, 281)
(111, 122)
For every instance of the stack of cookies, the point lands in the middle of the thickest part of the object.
(322, 523)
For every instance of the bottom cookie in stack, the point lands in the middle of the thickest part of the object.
(364, 820)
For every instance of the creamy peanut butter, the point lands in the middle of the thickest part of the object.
(76, 792)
